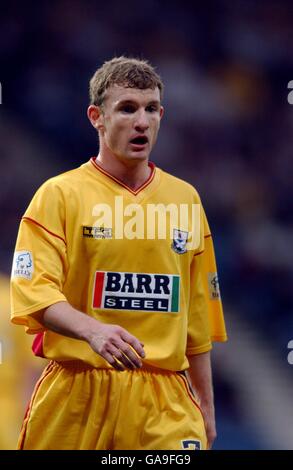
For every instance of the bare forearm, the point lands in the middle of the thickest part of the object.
(200, 374)
(66, 320)
(115, 344)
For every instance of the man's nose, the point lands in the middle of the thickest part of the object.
(141, 122)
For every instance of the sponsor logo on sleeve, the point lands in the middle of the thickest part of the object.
(136, 291)
(214, 289)
(23, 265)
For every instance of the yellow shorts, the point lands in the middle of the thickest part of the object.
(75, 406)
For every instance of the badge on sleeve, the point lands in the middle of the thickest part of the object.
(23, 265)
(213, 283)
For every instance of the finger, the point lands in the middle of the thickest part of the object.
(210, 444)
(128, 352)
(128, 362)
(117, 353)
(113, 362)
(210, 438)
(134, 342)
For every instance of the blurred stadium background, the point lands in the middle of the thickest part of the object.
(228, 129)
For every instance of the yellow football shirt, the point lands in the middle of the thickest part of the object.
(141, 259)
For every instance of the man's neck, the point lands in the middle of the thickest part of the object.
(133, 175)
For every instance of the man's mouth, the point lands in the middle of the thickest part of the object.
(139, 140)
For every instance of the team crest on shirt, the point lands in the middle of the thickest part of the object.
(23, 265)
(180, 238)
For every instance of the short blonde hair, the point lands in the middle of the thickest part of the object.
(125, 71)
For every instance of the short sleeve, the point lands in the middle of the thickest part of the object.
(40, 258)
(205, 320)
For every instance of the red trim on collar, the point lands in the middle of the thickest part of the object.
(143, 186)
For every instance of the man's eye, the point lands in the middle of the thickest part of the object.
(128, 109)
(152, 109)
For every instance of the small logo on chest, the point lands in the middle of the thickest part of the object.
(96, 232)
(180, 238)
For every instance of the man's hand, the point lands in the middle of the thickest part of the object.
(118, 347)
(210, 423)
(200, 374)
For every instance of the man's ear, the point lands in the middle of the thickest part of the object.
(96, 117)
(161, 112)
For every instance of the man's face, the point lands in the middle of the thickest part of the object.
(130, 121)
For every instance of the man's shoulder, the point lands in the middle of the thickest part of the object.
(175, 183)
(67, 179)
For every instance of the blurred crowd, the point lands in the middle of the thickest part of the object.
(227, 129)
